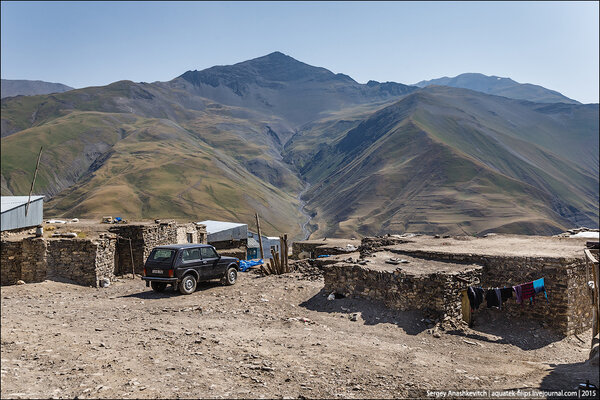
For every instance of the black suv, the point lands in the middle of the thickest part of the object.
(183, 265)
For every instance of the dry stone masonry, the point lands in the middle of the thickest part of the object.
(437, 271)
(406, 284)
(90, 261)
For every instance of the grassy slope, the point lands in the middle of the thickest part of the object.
(161, 170)
(422, 165)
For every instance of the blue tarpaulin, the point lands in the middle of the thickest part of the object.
(323, 255)
(246, 264)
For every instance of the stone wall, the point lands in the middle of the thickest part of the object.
(83, 261)
(33, 260)
(11, 262)
(23, 260)
(437, 294)
(567, 309)
(197, 232)
(145, 237)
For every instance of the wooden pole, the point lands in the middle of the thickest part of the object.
(262, 254)
(285, 253)
(132, 264)
(33, 181)
(282, 259)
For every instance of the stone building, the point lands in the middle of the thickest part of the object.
(90, 260)
(441, 268)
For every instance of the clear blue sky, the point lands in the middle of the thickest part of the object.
(553, 44)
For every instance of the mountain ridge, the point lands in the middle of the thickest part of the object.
(23, 87)
(500, 86)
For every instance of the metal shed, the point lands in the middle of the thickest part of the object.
(13, 212)
(219, 231)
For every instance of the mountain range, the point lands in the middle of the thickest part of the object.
(20, 87)
(273, 134)
(501, 87)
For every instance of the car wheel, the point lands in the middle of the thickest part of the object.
(230, 276)
(187, 284)
(158, 286)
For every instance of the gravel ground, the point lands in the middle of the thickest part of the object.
(273, 337)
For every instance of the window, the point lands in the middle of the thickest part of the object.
(208, 252)
(161, 255)
(190, 239)
(190, 255)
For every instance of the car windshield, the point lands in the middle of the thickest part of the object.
(161, 255)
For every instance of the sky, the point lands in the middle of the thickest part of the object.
(552, 44)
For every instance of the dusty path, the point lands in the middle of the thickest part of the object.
(272, 337)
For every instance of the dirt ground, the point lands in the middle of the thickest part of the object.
(272, 337)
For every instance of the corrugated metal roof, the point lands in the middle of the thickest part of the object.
(218, 226)
(252, 243)
(10, 202)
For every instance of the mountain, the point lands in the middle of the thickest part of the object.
(448, 160)
(230, 141)
(11, 87)
(498, 86)
(278, 84)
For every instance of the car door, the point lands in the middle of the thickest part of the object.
(191, 258)
(210, 257)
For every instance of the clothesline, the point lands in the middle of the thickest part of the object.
(494, 297)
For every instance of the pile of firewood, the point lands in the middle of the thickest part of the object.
(279, 263)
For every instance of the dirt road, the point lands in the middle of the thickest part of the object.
(275, 336)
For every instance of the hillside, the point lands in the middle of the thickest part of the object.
(501, 87)
(19, 87)
(435, 162)
(228, 141)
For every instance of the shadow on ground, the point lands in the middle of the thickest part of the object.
(371, 312)
(569, 376)
(150, 294)
(496, 326)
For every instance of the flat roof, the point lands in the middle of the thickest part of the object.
(182, 246)
(10, 202)
(219, 226)
(499, 245)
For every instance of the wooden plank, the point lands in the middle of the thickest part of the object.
(275, 260)
(590, 256)
(466, 307)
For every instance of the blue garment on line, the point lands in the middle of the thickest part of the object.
(538, 286)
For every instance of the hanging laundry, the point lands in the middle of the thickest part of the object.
(527, 291)
(506, 293)
(475, 295)
(538, 286)
(499, 296)
(518, 293)
(491, 298)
